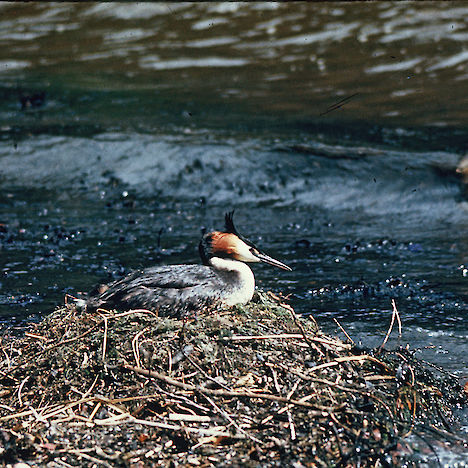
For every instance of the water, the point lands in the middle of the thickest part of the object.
(333, 129)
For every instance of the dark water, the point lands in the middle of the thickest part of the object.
(333, 129)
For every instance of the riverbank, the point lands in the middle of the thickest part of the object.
(252, 386)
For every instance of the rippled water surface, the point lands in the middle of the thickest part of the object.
(334, 129)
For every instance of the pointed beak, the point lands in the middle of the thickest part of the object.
(271, 261)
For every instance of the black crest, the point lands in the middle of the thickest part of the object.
(230, 228)
(229, 223)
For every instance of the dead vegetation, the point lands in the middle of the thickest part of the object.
(249, 386)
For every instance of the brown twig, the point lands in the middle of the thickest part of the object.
(37, 337)
(218, 392)
(87, 332)
(340, 387)
(226, 416)
(341, 360)
(344, 331)
(80, 453)
(301, 328)
(179, 398)
(69, 340)
(285, 336)
(212, 379)
(292, 427)
(95, 410)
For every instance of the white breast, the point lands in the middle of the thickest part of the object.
(243, 288)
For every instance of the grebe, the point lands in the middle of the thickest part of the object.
(223, 279)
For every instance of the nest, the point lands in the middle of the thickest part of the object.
(248, 386)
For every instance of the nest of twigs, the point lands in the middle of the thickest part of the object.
(248, 386)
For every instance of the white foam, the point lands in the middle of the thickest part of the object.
(155, 63)
(394, 66)
(451, 61)
(7, 65)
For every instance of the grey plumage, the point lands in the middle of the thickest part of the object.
(223, 279)
(170, 290)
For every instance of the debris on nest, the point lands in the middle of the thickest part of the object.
(247, 386)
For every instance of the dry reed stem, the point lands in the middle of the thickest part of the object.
(8, 359)
(206, 375)
(87, 332)
(395, 315)
(136, 347)
(95, 410)
(339, 387)
(344, 331)
(281, 336)
(104, 341)
(82, 454)
(226, 416)
(20, 388)
(209, 391)
(110, 314)
(338, 361)
(395, 310)
(129, 419)
(301, 328)
(37, 337)
(190, 418)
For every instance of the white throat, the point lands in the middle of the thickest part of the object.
(245, 281)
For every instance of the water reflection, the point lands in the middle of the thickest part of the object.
(277, 58)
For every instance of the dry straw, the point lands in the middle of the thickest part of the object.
(253, 385)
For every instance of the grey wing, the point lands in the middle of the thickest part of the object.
(173, 276)
(169, 289)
